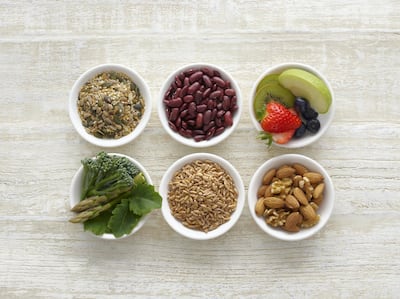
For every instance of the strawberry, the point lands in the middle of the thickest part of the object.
(279, 119)
(282, 138)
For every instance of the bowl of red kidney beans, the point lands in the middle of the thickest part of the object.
(200, 105)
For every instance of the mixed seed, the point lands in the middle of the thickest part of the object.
(110, 105)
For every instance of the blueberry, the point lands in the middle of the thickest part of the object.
(301, 105)
(310, 113)
(300, 131)
(313, 125)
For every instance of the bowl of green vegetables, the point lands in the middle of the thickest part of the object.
(112, 195)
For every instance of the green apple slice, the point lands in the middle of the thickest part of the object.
(306, 85)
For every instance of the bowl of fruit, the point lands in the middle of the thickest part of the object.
(292, 105)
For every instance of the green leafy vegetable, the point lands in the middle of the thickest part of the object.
(99, 224)
(123, 220)
(144, 199)
(115, 195)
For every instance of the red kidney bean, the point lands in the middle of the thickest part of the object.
(199, 138)
(219, 106)
(218, 122)
(197, 132)
(214, 113)
(185, 132)
(208, 126)
(191, 123)
(215, 94)
(174, 114)
(219, 81)
(198, 97)
(211, 104)
(226, 103)
(220, 113)
(192, 108)
(178, 122)
(184, 124)
(218, 131)
(230, 92)
(178, 81)
(201, 108)
(207, 117)
(193, 88)
(228, 121)
(184, 90)
(207, 81)
(186, 81)
(210, 133)
(172, 126)
(174, 103)
(188, 98)
(195, 76)
(233, 101)
(207, 71)
(199, 120)
(206, 93)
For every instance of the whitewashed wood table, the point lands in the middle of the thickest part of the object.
(46, 45)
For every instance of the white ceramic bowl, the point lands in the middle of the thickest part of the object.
(175, 224)
(76, 190)
(73, 108)
(325, 119)
(325, 209)
(190, 141)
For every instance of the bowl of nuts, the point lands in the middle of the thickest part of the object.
(110, 105)
(291, 197)
(203, 196)
(199, 105)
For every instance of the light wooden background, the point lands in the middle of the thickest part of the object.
(46, 45)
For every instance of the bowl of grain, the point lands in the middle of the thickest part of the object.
(199, 105)
(203, 196)
(291, 197)
(110, 105)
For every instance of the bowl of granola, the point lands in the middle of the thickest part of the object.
(291, 197)
(110, 105)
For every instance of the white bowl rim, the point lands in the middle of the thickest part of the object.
(189, 141)
(326, 206)
(92, 72)
(175, 224)
(327, 117)
(76, 180)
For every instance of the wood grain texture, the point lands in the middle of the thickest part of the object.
(46, 45)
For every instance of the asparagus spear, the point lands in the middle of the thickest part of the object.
(94, 212)
(89, 202)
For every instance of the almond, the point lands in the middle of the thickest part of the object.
(285, 172)
(261, 191)
(291, 202)
(268, 176)
(308, 212)
(293, 222)
(268, 192)
(300, 196)
(300, 169)
(314, 177)
(318, 200)
(318, 190)
(260, 207)
(274, 202)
